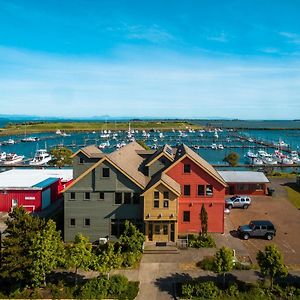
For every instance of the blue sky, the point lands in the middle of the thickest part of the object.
(158, 58)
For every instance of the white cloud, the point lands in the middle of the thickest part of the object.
(172, 86)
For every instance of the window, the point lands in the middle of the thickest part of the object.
(87, 196)
(118, 198)
(166, 195)
(87, 222)
(156, 229)
(156, 203)
(72, 222)
(127, 198)
(166, 203)
(165, 229)
(72, 196)
(201, 190)
(101, 196)
(156, 195)
(81, 160)
(136, 198)
(187, 190)
(105, 172)
(209, 190)
(186, 168)
(186, 216)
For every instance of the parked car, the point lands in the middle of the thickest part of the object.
(238, 201)
(257, 229)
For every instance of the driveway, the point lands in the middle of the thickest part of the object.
(282, 213)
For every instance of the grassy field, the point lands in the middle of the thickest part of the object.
(35, 127)
(294, 195)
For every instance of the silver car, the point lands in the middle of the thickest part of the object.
(238, 201)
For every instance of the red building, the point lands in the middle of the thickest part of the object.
(245, 182)
(200, 184)
(35, 190)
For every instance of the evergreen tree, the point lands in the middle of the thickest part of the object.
(18, 239)
(271, 263)
(46, 253)
(204, 220)
(223, 262)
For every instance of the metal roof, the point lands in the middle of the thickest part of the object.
(30, 178)
(243, 177)
(45, 183)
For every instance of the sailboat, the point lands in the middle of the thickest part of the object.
(30, 138)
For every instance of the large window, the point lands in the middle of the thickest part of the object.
(127, 198)
(209, 190)
(201, 190)
(187, 168)
(187, 190)
(118, 198)
(105, 172)
(186, 216)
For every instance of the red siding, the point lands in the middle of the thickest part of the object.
(193, 203)
(247, 190)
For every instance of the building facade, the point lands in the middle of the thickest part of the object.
(35, 190)
(160, 191)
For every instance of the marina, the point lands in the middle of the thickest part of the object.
(211, 143)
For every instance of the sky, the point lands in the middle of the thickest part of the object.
(159, 58)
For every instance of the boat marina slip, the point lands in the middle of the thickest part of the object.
(255, 147)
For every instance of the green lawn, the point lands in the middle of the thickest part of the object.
(294, 195)
(34, 127)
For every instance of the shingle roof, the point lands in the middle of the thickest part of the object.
(166, 150)
(130, 162)
(91, 151)
(243, 177)
(167, 180)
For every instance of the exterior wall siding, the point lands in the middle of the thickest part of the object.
(100, 212)
(214, 204)
(79, 168)
(246, 188)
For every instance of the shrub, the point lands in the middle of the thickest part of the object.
(95, 288)
(233, 290)
(240, 266)
(207, 263)
(117, 285)
(207, 290)
(201, 241)
(187, 290)
(130, 259)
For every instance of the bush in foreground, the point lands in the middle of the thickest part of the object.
(201, 241)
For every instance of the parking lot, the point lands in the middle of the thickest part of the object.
(282, 214)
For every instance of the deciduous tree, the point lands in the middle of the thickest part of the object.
(232, 159)
(61, 156)
(271, 263)
(46, 253)
(223, 262)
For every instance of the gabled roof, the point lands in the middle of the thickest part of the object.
(167, 181)
(184, 151)
(90, 151)
(243, 177)
(165, 150)
(126, 160)
(129, 161)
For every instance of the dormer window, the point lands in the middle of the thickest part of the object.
(187, 168)
(81, 160)
(105, 172)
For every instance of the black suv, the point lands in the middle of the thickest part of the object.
(257, 229)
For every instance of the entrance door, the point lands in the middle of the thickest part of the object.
(150, 231)
(161, 231)
(172, 232)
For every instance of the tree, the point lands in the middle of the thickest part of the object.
(79, 254)
(46, 253)
(109, 259)
(18, 239)
(204, 220)
(223, 262)
(271, 263)
(132, 239)
(61, 156)
(232, 158)
(143, 144)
